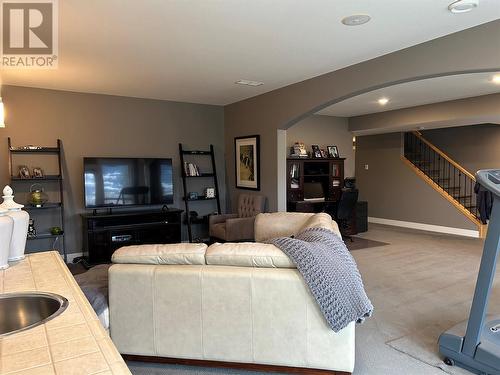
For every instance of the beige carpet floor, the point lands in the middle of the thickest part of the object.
(420, 284)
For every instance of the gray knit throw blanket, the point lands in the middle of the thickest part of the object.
(331, 274)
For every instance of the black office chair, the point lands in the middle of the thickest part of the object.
(344, 210)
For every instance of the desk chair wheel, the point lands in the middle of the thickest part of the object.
(449, 361)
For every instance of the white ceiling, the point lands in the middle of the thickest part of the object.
(194, 50)
(426, 91)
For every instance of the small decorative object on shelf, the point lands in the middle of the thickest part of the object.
(299, 150)
(193, 195)
(333, 152)
(316, 152)
(20, 219)
(31, 229)
(38, 172)
(24, 172)
(210, 192)
(37, 197)
(56, 231)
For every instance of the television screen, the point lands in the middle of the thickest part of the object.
(115, 182)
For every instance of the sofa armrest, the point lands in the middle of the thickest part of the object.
(240, 229)
(216, 219)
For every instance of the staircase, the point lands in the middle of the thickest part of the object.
(442, 173)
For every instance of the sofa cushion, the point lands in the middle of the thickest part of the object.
(247, 254)
(321, 220)
(181, 253)
(279, 224)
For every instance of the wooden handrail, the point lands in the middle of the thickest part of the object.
(441, 153)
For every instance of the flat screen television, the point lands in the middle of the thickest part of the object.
(125, 182)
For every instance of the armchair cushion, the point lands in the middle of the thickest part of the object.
(247, 254)
(217, 225)
(240, 229)
(180, 253)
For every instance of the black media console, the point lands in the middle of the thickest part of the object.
(105, 233)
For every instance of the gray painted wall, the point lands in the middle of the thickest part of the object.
(473, 147)
(324, 131)
(103, 125)
(394, 191)
(281, 108)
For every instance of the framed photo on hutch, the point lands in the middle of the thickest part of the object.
(247, 163)
(333, 152)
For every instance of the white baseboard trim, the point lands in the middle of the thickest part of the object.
(426, 227)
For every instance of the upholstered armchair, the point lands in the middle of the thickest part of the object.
(237, 227)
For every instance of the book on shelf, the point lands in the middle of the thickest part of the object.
(191, 169)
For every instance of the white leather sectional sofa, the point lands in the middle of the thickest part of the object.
(234, 303)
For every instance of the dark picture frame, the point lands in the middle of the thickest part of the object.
(316, 152)
(247, 162)
(333, 152)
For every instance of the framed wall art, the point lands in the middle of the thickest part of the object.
(247, 163)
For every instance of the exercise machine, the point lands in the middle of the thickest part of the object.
(478, 350)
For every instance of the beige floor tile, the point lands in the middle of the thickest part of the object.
(84, 365)
(20, 343)
(64, 334)
(25, 360)
(75, 348)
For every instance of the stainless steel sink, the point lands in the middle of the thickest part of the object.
(22, 311)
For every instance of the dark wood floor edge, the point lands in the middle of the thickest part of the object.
(233, 365)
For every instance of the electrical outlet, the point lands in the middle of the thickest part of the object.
(366, 167)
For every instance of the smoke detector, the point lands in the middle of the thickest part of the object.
(463, 6)
(356, 19)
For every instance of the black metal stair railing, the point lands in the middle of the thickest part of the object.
(444, 172)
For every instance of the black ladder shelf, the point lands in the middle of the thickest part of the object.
(56, 151)
(185, 178)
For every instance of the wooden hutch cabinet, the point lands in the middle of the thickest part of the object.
(310, 180)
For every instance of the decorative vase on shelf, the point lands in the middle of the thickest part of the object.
(6, 227)
(20, 219)
(37, 197)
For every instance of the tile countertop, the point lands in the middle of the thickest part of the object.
(73, 343)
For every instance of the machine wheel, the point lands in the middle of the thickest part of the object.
(449, 361)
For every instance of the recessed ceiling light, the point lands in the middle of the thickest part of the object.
(247, 82)
(356, 19)
(463, 6)
(496, 79)
(383, 101)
